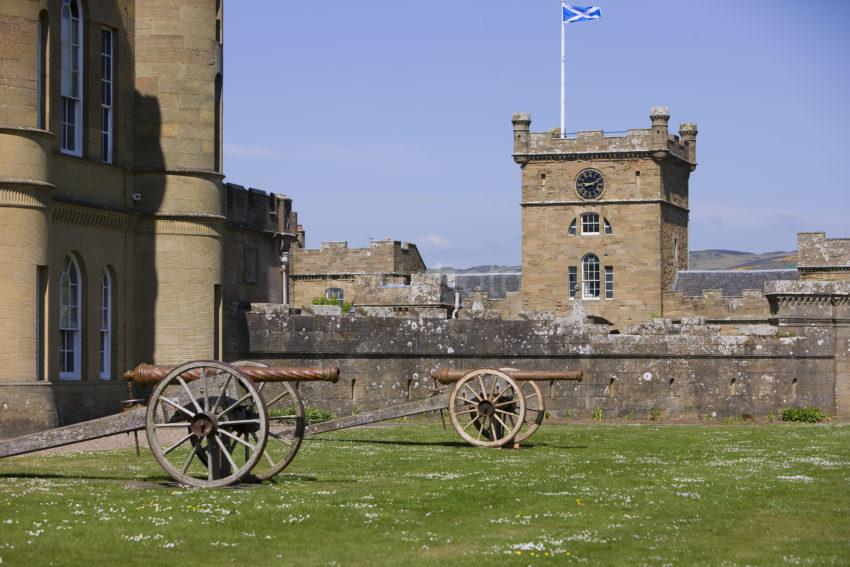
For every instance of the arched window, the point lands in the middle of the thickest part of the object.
(590, 223)
(70, 320)
(590, 277)
(106, 325)
(572, 230)
(107, 119)
(72, 78)
(608, 229)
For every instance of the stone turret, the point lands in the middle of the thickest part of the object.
(688, 134)
(178, 162)
(660, 117)
(522, 125)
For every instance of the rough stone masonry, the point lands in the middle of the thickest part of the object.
(684, 370)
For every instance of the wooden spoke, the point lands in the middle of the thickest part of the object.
(505, 425)
(191, 456)
(226, 452)
(475, 395)
(460, 412)
(276, 399)
(280, 438)
(222, 393)
(239, 422)
(235, 404)
(206, 389)
(468, 401)
(483, 388)
(189, 393)
(470, 423)
(178, 444)
(182, 424)
(237, 439)
(176, 406)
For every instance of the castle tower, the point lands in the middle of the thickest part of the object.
(25, 196)
(604, 218)
(178, 80)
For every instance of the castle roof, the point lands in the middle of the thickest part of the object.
(732, 283)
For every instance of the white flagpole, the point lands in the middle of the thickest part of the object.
(563, 75)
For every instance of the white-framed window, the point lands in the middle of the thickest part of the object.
(70, 320)
(106, 95)
(590, 223)
(572, 230)
(590, 277)
(72, 78)
(573, 281)
(609, 282)
(334, 293)
(105, 325)
(607, 227)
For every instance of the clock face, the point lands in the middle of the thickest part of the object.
(590, 184)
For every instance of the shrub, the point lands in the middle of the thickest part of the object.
(770, 417)
(597, 414)
(345, 305)
(655, 414)
(808, 414)
(311, 415)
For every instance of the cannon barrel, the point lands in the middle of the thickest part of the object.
(152, 374)
(452, 375)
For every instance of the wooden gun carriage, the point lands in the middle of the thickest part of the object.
(212, 424)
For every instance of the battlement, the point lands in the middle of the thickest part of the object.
(257, 210)
(655, 141)
(816, 253)
(380, 257)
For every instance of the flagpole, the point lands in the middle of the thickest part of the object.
(563, 74)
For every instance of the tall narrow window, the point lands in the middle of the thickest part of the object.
(590, 277)
(219, 13)
(40, 302)
(590, 223)
(609, 282)
(106, 84)
(608, 229)
(105, 325)
(72, 78)
(70, 322)
(573, 281)
(572, 230)
(217, 165)
(43, 34)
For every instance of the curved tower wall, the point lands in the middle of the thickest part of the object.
(179, 241)
(24, 190)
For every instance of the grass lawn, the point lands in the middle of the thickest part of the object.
(587, 494)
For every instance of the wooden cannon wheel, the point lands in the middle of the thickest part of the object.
(286, 425)
(487, 408)
(535, 410)
(199, 433)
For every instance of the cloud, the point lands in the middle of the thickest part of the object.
(435, 242)
(248, 151)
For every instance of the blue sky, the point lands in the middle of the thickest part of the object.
(391, 118)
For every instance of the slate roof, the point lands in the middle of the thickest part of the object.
(731, 282)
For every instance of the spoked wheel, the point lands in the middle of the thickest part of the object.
(286, 425)
(487, 408)
(207, 424)
(535, 410)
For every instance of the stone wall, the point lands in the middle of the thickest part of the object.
(684, 370)
(381, 256)
(822, 258)
(752, 306)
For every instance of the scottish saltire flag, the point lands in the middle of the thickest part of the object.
(574, 14)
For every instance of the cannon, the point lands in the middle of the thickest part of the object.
(487, 407)
(207, 423)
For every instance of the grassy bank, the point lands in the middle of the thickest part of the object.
(589, 494)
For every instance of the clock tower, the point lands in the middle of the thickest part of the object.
(604, 217)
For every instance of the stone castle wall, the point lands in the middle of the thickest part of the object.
(685, 370)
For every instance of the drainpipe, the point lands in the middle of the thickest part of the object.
(284, 272)
(457, 305)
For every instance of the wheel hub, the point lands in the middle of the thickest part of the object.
(203, 425)
(486, 408)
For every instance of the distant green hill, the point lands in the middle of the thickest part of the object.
(734, 260)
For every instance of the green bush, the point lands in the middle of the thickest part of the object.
(311, 415)
(655, 414)
(808, 414)
(597, 414)
(345, 305)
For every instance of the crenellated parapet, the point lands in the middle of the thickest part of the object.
(655, 141)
